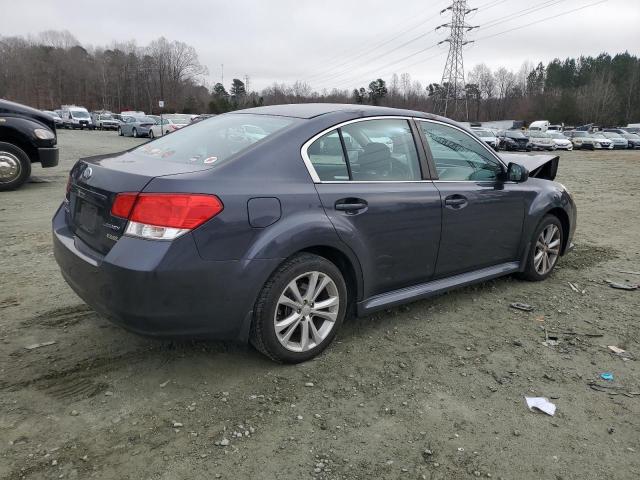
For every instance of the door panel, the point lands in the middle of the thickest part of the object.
(483, 232)
(394, 229)
(482, 215)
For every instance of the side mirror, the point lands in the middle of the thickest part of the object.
(517, 173)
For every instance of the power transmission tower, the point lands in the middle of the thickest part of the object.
(453, 100)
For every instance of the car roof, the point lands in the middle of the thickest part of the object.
(312, 110)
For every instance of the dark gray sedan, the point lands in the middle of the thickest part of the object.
(216, 232)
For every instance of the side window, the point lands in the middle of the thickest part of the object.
(327, 158)
(458, 156)
(381, 150)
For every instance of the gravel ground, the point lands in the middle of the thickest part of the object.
(432, 390)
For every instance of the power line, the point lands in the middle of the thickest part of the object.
(523, 13)
(337, 75)
(368, 49)
(542, 20)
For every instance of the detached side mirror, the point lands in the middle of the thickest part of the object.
(517, 173)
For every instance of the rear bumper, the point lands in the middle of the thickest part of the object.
(48, 157)
(162, 289)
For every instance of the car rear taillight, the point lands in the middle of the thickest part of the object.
(164, 216)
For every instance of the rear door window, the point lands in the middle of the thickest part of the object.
(381, 150)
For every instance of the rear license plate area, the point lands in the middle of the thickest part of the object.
(86, 216)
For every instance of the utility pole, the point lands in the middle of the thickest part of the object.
(222, 74)
(246, 83)
(453, 102)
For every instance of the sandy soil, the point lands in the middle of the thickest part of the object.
(433, 390)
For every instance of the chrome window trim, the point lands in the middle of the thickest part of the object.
(316, 178)
(309, 164)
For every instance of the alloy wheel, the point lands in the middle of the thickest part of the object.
(306, 311)
(547, 249)
(10, 167)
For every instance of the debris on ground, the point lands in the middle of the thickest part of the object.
(542, 404)
(628, 272)
(573, 287)
(613, 389)
(608, 376)
(38, 345)
(620, 352)
(623, 286)
(522, 306)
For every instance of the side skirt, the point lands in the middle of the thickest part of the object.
(435, 287)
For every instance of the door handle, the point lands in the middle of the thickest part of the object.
(350, 205)
(456, 202)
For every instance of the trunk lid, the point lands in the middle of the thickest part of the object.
(94, 184)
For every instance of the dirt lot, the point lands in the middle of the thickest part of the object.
(434, 390)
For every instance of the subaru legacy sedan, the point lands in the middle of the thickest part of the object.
(217, 232)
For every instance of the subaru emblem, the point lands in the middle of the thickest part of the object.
(86, 174)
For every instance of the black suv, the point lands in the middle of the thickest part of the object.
(27, 136)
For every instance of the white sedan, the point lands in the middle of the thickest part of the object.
(168, 125)
(562, 142)
(487, 136)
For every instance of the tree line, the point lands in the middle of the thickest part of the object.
(53, 68)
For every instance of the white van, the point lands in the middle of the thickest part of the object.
(539, 125)
(76, 117)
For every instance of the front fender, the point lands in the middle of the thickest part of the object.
(552, 196)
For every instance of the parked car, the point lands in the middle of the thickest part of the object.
(487, 136)
(76, 117)
(585, 140)
(204, 116)
(205, 234)
(106, 121)
(618, 140)
(27, 136)
(513, 140)
(562, 142)
(167, 126)
(541, 140)
(178, 120)
(602, 140)
(57, 119)
(633, 139)
(135, 126)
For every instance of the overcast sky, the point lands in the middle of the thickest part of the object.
(338, 43)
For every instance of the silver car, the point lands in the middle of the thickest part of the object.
(541, 140)
(135, 126)
(618, 140)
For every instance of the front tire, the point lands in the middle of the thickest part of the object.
(299, 310)
(546, 245)
(120, 132)
(151, 134)
(135, 133)
(15, 167)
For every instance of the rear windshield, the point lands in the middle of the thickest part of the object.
(215, 139)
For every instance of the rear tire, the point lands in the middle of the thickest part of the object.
(134, 133)
(120, 132)
(151, 136)
(289, 302)
(15, 167)
(546, 246)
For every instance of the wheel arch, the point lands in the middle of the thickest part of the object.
(14, 137)
(563, 217)
(351, 274)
